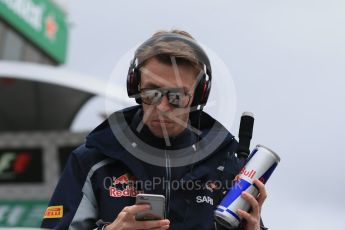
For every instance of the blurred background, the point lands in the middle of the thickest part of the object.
(63, 66)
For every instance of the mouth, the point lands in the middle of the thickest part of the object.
(161, 122)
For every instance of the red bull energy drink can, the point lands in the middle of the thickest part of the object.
(260, 165)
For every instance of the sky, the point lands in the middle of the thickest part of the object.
(281, 60)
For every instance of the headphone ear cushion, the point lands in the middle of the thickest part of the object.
(130, 79)
(205, 92)
(133, 83)
(137, 85)
(201, 92)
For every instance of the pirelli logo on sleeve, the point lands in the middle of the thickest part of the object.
(54, 212)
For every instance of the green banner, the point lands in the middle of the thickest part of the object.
(41, 22)
(28, 213)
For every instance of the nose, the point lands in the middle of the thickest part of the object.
(164, 105)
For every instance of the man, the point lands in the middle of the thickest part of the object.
(166, 140)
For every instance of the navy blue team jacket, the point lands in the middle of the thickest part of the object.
(102, 177)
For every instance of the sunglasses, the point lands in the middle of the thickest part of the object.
(177, 97)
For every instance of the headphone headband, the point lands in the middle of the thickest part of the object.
(201, 55)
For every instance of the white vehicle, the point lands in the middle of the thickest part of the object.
(39, 111)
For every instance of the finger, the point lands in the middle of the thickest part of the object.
(262, 190)
(152, 224)
(245, 215)
(161, 228)
(165, 227)
(253, 202)
(134, 209)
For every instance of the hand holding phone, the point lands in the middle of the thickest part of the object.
(126, 220)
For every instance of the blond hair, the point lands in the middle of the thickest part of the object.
(163, 50)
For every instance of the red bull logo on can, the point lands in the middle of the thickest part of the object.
(248, 173)
(124, 185)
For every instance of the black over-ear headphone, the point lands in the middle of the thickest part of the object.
(203, 87)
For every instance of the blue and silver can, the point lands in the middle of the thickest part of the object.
(260, 165)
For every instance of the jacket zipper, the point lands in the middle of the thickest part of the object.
(168, 176)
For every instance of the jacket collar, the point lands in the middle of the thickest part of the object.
(103, 139)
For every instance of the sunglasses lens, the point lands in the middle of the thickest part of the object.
(151, 96)
(176, 97)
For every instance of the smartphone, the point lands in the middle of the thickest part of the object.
(157, 203)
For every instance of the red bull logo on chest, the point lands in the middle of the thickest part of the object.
(123, 185)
